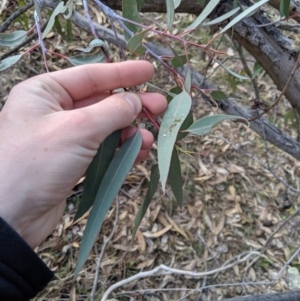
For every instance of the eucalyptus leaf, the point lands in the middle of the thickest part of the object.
(170, 13)
(8, 62)
(12, 39)
(87, 59)
(244, 14)
(204, 125)
(175, 177)
(154, 179)
(130, 11)
(136, 41)
(179, 61)
(173, 92)
(186, 124)
(176, 3)
(174, 117)
(68, 10)
(111, 184)
(94, 43)
(60, 8)
(222, 18)
(204, 14)
(218, 95)
(230, 71)
(37, 9)
(140, 4)
(96, 172)
(188, 80)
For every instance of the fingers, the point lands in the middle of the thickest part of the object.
(156, 103)
(147, 137)
(83, 81)
(94, 123)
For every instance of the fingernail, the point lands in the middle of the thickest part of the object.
(134, 101)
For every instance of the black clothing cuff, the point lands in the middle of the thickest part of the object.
(22, 273)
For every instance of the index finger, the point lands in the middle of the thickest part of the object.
(84, 81)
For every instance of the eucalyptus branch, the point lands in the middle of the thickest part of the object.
(273, 134)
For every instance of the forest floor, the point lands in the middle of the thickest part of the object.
(232, 203)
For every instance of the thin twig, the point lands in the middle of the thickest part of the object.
(27, 41)
(165, 270)
(15, 15)
(287, 263)
(105, 243)
(281, 93)
(248, 71)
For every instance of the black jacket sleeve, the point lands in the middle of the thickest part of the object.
(22, 273)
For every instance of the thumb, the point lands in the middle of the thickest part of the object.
(113, 113)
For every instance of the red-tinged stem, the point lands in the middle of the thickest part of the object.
(30, 49)
(58, 54)
(150, 117)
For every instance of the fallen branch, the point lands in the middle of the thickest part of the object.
(165, 270)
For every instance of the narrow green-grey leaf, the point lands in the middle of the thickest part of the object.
(170, 94)
(186, 124)
(175, 178)
(173, 92)
(13, 38)
(180, 60)
(130, 11)
(174, 117)
(201, 3)
(188, 80)
(59, 8)
(230, 71)
(204, 125)
(136, 41)
(222, 18)
(96, 172)
(170, 13)
(68, 10)
(111, 184)
(8, 62)
(87, 59)
(37, 9)
(207, 10)
(140, 4)
(284, 8)
(176, 3)
(94, 43)
(244, 14)
(154, 179)
(218, 95)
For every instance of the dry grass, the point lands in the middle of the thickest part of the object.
(231, 205)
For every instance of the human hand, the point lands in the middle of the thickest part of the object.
(50, 129)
